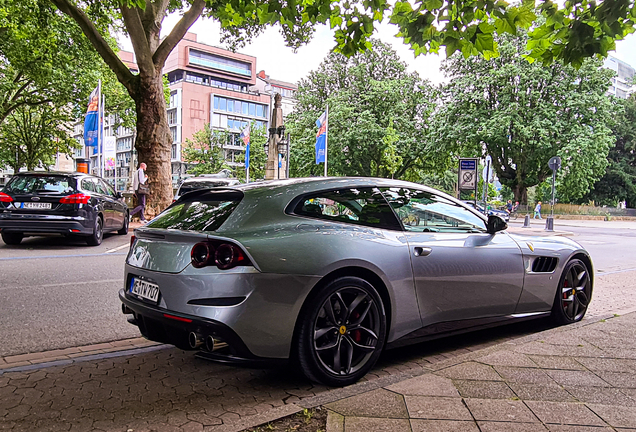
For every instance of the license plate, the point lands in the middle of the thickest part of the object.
(35, 205)
(145, 290)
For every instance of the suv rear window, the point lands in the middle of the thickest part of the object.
(202, 211)
(33, 184)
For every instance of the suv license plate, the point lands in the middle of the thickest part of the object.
(145, 290)
(35, 205)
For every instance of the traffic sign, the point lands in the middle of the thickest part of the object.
(554, 163)
(467, 174)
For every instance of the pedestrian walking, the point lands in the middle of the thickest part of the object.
(537, 211)
(141, 189)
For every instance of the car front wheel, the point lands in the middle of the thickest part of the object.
(574, 293)
(95, 239)
(12, 238)
(342, 332)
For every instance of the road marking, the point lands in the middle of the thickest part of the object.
(83, 282)
(615, 271)
(60, 256)
(125, 245)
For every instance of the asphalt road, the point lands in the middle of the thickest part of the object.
(58, 293)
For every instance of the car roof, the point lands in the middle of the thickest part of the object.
(56, 173)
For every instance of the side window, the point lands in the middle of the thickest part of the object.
(99, 188)
(108, 190)
(361, 206)
(88, 185)
(423, 211)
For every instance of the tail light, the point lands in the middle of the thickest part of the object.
(5, 198)
(132, 240)
(223, 255)
(75, 199)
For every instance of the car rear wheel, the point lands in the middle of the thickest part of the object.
(573, 293)
(124, 228)
(342, 332)
(95, 239)
(12, 238)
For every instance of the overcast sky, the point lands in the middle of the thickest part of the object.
(281, 63)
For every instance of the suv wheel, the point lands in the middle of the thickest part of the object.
(95, 239)
(124, 228)
(12, 238)
(342, 332)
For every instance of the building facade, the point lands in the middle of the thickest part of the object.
(622, 83)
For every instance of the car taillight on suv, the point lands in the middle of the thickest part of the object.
(5, 198)
(75, 199)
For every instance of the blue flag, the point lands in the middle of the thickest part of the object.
(91, 122)
(245, 136)
(321, 138)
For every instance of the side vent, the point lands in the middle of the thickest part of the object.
(544, 264)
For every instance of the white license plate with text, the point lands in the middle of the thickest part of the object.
(35, 205)
(144, 289)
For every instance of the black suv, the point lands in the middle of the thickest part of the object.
(34, 203)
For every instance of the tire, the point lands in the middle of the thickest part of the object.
(340, 356)
(95, 239)
(12, 238)
(574, 293)
(124, 228)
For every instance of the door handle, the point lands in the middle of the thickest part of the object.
(422, 251)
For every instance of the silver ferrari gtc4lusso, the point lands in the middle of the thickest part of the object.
(328, 272)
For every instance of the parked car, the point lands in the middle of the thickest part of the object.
(480, 208)
(72, 204)
(202, 182)
(329, 272)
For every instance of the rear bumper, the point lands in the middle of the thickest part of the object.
(38, 224)
(165, 326)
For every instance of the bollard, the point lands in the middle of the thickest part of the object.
(549, 224)
(526, 222)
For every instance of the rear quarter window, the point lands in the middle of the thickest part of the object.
(203, 211)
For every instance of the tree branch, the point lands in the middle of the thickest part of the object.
(178, 32)
(139, 40)
(101, 46)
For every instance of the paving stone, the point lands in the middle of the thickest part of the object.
(608, 364)
(511, 426)
(376, 403)
(500, 410)
(471, 370)
(538, 348)
(616, 416)
(192, 427)
(556, 362)
(524, 375)
(335, 422)
(436, 408)
(570, 428)
(366, 424)
(619, 379)
(577, 378)
(418, 425)
(506, 358)
(483, 389)
(606, 396)
(425, 385)
(546, 392)
(564, 413)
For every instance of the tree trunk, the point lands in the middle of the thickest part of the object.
(154, 141)
(521, 194)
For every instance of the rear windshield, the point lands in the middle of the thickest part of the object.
(190, 186)
(32, 184)
(204, 211)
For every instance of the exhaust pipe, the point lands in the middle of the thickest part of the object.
(126, 310)
(209, 343)
(195, 340)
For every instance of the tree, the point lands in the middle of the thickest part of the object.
(378, 116)
(32, 136)
(461, 24)
(205, 151)
(619, 181)
(522, 114)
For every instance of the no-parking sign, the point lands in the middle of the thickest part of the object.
(467, 179)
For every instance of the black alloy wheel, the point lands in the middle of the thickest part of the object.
(573, 294)
(12, 238)
(343, 332)
(95, 239)
(124, 228)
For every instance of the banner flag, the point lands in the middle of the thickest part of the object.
(321, 138)
(245, 136)
(91, 122)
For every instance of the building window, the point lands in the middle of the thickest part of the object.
(124, 144)
(173, 131)
(175, 151)
(217, 62)
(172, 116)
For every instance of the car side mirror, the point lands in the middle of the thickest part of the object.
(495, 224)
(119, 195)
